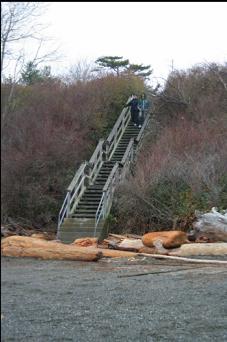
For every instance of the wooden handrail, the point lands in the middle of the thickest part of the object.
(97, 150)
(118, 130)
(127, 152)
(105, 188)
(107, 196)
(139, 136)
(78, 174)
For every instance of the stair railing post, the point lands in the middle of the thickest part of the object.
(88, 173)
(104, 205)
(132, 151)
(68, 204)
(106, 146)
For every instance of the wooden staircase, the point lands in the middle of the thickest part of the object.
(90, 194)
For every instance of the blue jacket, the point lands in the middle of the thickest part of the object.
(143, 104)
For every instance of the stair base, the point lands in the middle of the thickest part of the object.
(75, 228)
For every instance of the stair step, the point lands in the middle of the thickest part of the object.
(92, 194)
(91, 203)
(130, 135)
(74, 228)
(123, 144)
(87, 210)
(94, 189)
(87, 206)
(104, 172)
(79, 215)
(106, 168)
(100, 180)
(92, 199)
(103, 177)
(131, 130)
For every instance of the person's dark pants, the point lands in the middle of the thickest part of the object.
(135, 117)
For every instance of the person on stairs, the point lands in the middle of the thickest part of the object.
(133, 103)
(143, 105)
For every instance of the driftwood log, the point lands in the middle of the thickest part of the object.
(86, 242)
(194, 249)
(168, 239)
(24, 246)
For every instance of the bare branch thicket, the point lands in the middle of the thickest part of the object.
(172, 175)
(221, 75)
(20, 23)
(81, 71)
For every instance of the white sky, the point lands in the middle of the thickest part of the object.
(154, 33)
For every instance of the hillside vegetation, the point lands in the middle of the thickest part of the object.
(182, 166)
(50, 126)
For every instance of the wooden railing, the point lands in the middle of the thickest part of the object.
(139, 137)
(117, 131)
(85, 176)
(74, 192)
(117, 174)
(96, 161)
(107, 196)
(127, 159)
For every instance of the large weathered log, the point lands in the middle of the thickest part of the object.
(210, 227)
(113, 253)
(149, 250)
(23, 246)
(168, 239)
(134, 236)
(117, 236)
(132, 245)
(179, 258)
(86, 242)
(200, 249)
(122, 254)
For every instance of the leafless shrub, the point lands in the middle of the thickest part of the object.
(51, 129)
(185, 168)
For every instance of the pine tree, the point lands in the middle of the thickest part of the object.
(140, 70)
(115, 63)
(31, 74)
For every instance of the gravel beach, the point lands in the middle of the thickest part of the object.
(113, 300)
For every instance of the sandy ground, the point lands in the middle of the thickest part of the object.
(112, 300)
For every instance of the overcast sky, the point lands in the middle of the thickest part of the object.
(155, 33)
